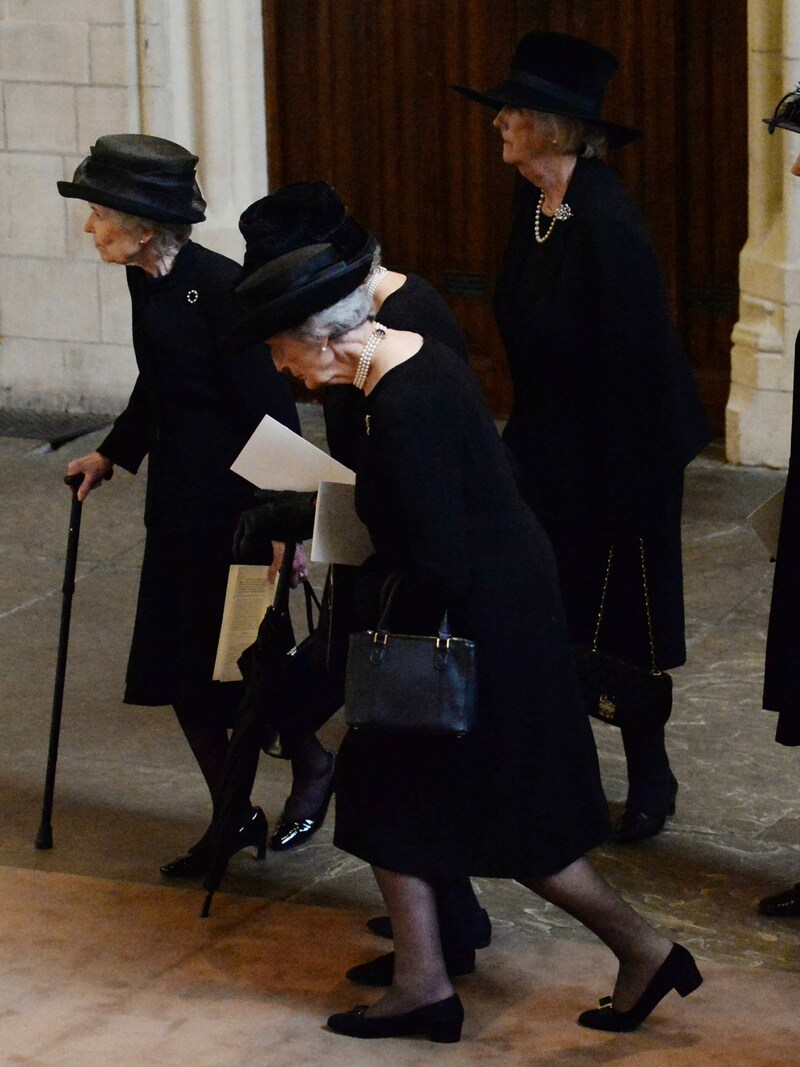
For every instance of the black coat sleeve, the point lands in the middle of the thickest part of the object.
(129, 439)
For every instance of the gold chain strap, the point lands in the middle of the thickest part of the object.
(653, 665)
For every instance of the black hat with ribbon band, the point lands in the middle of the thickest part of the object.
(560, 75)
(787, 113)
(306, 213)
(139, 175)
(288, 290)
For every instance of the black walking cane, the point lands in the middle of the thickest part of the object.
(44, 838)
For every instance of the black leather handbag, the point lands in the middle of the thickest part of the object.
(623, 694)
(408, 682)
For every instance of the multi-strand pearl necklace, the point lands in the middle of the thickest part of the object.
(563, 213)
(367, 352)
(374, 280)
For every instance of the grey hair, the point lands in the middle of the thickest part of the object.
(576, 138)
(338, 319)
(168, 237)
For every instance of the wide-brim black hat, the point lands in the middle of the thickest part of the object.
(289, 289)
(560, 75)
(787, 113)
(296, 216)
(139, 175)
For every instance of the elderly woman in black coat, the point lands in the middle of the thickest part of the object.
(297, 216)
(190, 413)
(781, 683)
(520, 796)
(606, 414)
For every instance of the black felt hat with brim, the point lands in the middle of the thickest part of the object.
(560, 75)
(139, 175)
(787, 113)
(288, 290)
(298, 215)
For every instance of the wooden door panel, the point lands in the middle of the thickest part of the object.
(359, 96)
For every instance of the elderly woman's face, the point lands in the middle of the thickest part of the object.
(524, 135)
(311, 361)
(113, 242)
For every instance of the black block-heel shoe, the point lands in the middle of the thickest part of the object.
(196, 862)
(289, 833)
(639, 825)
(678, 972)
(785, 905)
(380, 971)
(440, 1021)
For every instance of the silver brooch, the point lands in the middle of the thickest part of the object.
(191, 296)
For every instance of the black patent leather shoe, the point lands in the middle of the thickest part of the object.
(440, 1021)
(482, 930)
(678, 972)
(380, 971)
(785, 905)
(639, 825)
(196, 862)
(289, 833)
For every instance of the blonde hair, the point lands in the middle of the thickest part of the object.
(575, 138)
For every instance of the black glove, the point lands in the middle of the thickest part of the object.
(278, 515)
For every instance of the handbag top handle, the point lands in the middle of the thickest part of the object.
(654, 668)
(280, 601)
(388, 592)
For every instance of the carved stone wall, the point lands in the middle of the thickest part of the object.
(758, 416)
(188, 70)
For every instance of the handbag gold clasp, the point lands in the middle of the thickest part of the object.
(606, 708)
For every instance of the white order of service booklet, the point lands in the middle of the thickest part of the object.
(276, 457)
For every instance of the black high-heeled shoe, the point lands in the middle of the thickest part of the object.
(440, 1021)
(678, 972)
(289, 833)
(195, 864)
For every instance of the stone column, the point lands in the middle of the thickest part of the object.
(758, 416)
(213, 74)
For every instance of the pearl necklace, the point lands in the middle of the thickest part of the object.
(374, 280)
(367, 352)
(563, 213)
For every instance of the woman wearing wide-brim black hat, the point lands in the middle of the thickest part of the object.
(520, 795)
(190, 412)
(296, 217)
(781, 682)
(606, 413)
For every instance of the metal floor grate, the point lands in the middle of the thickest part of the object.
(56, 427)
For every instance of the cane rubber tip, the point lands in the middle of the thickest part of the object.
(44, 838)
